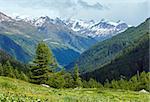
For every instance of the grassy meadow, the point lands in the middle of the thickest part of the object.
(12, 90)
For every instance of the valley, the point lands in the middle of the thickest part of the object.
(58, 33)
(122, 53)
(74, 51)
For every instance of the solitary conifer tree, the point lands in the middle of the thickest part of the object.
(78, 82)
(43, 64)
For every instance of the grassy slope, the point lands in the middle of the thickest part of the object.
(12, 89)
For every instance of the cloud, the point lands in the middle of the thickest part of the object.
(49, 4)
(97, 5)
(135, 10)
(60, 8)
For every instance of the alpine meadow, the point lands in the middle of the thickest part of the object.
(74, 51)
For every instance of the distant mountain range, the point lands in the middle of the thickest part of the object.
(99, 30)
(65, 41)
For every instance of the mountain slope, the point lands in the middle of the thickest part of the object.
(131, 60)
(14, 49)
(54, 33)
(104, 52)
(4, 57)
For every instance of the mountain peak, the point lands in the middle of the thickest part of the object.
(79, 24)
(40, 21)
(4, 17)
(46, 18)
(103, 20)
(120, 22)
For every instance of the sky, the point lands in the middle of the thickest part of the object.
(132, 12)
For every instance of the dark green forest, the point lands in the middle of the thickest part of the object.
(129, 62)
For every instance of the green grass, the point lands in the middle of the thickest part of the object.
(12, 90)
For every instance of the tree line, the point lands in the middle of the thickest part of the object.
(7, 70)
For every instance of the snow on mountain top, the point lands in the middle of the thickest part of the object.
(25, 19)
(120, 22)
(88, 28)
(78, 24)
(113, 23)
(40, 21)
(4, 17)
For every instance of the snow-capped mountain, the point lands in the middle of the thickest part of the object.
(38, 22)
(101, 30)
(98, 30)
(4, 17)
(78, 25)
(42, 20)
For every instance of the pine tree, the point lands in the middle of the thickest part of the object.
(23, 76)
(94, 84)
(68, 80)
(85, 84)
(16, 72)
(8, 70)
(107, 84)
(56, 80)
(43, 64)
(1, 69)
(77, 79)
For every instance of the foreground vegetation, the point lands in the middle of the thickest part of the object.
(16, 90)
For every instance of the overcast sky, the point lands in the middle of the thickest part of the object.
(131, 11)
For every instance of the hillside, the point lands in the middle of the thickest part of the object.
(105, 52)
(16, 90)
(4, 57)
(129, 62)
(9, 46)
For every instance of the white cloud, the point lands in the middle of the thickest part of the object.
(91, 6)
(131, 11)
